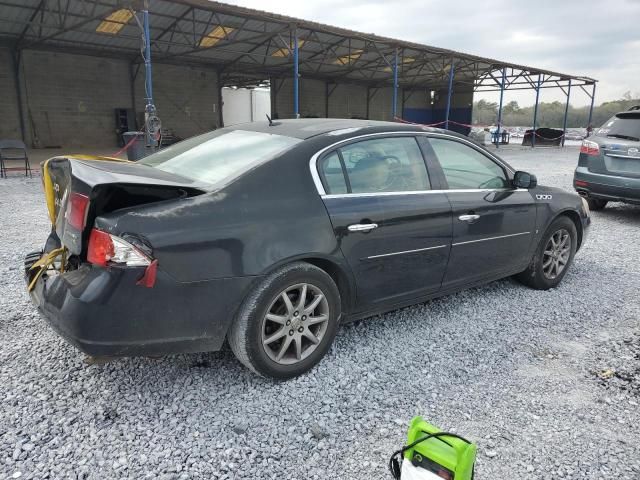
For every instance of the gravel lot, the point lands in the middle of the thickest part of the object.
(547, 383)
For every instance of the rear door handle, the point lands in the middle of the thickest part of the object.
(362, 227)
(468, 218)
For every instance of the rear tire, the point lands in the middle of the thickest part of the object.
(596, 203)
(287, 323)
(553, 256)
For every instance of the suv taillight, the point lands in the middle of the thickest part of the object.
(590, 148)
(106, 249)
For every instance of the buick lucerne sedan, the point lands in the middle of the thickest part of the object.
(268, 235)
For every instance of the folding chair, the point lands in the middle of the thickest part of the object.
(13, 150)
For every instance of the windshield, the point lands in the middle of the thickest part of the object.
(220, 156)
(623, 125)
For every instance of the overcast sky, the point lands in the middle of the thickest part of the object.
(598, 39)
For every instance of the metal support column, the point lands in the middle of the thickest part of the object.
(535, 112)
(498, 131)
(326, 99)
(566, 112)
(368, 101)
(449, 92)
(16, 75)
(593, 97)
(133, 73)
(296, 100)
(220, 100)
(394, 106)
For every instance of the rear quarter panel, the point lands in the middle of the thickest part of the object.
(269, 216)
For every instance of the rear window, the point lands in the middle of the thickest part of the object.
(624, 125)
(220, 156)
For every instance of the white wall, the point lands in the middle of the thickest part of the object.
(243, 105)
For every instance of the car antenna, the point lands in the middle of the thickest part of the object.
(271, 124)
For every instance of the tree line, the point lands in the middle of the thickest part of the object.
(550, 114)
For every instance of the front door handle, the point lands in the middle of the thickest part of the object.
(468, 218)
(362, 227)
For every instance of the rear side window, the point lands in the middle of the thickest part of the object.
(332, 174)
(624, 125)
(392, 164)
(220, 156)
(466, 168)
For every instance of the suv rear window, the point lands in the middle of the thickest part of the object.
(625, 125)
(221, 156)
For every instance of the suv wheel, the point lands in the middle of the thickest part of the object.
(287, 324)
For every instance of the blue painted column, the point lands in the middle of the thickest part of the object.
(566, 112)
(535, 112)
(449, 92)
(394, 106)
(593, 97)
(504, 77)
(296, 75)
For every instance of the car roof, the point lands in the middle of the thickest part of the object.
(305, 128)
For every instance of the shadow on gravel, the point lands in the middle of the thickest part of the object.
(629, 214)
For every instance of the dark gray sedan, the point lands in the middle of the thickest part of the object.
(269, 235)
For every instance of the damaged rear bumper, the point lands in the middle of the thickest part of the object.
(104, 313)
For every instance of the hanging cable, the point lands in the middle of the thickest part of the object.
(152, 123)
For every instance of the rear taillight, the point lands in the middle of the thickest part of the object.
(77, 210)
(101, 249)
(580, 183)
(590, 148)
(106, 249)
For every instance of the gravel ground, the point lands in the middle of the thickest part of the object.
(547, 383)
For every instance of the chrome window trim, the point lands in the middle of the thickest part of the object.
(490, 238)
(406, 251)
(422, 192)
(313, 167)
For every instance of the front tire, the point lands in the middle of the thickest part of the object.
(288, 322)
(553, 256)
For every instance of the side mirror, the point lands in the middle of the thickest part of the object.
(524, 180)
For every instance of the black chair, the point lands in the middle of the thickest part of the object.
(13, 150)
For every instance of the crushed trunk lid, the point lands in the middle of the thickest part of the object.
(107, 185)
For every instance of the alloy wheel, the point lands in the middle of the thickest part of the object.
(556, 254)
(295, 323)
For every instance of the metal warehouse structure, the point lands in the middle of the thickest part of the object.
(313, 69)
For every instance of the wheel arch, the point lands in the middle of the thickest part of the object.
(339, 273)
(340, 276)
(575, 218)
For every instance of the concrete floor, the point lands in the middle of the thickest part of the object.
(36, 156)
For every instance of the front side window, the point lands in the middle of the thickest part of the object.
(220, 156)
(466, 168)
(392, 164)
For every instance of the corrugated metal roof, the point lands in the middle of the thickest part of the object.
(177, 27)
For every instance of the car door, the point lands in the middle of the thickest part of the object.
(392, 227)
(493, 223)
